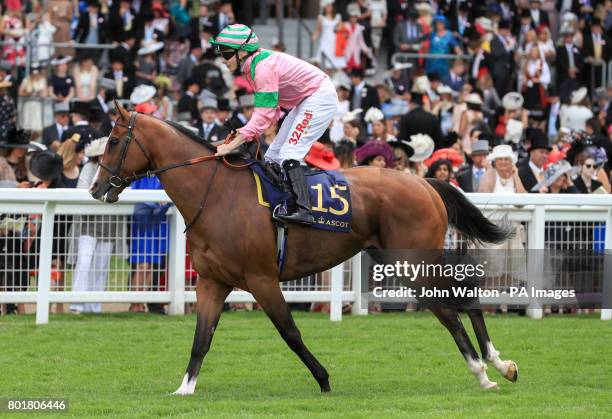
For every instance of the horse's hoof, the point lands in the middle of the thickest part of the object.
(491, 385)
(512, 373)
(325, 387)
(182, 392)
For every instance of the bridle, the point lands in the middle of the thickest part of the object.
(117, 181)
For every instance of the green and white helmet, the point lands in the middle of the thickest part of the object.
(238, 37)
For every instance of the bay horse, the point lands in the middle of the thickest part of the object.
(233, 241)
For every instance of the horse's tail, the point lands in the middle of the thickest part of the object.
(467, 218)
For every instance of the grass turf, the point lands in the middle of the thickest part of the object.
(387, 365)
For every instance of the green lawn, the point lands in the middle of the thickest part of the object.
(382, 365)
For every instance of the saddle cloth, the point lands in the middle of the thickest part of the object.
(330, 196)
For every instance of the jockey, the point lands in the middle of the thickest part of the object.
(280, 81)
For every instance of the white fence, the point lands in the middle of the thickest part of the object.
(46, 211)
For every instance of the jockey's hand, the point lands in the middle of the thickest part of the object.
(224, 149)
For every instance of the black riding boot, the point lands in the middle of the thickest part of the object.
(303, 210)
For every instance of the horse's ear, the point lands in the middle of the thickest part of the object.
(120, 110)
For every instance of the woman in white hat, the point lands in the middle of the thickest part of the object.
(469, 120)
(376, 119)
(503, 176)
(146, 65)
(94, 237)
(577, 114)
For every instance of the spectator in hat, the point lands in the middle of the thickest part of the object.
(399, 78)
(80, 113)
(328, 22)
(33, 89)
(186, 64)
(61, 84)
(165, 108)
(142, 99)
(353, 130)
(502, 47)
(376, 119)
(531, 170)
(209, 130)
(536, 78)
(556, 179)
(85, 77)
(72, 153)
(443, 110)
(419, 121)
(402, 151)
(122, 20)
(146, 66)
(124, 81)
(569, 57)
(375, 153)
(126, 51)
(441, 169)
(539, 17)
(322, 157)
(552, 113)
(470, 119)
(587, 181)
(363, 95)
(223, 110)
(106, 92)
(150, 33)
(469, 177)
(246, 107)
(502, 176)
(91, 29)
(51, 135)
(13, 152)
(8, 112)
(578, 113)
(441, 41)
(356, 46)
(189, 100)
(596, 47)
(454, 78)
(409, 33)
(61, 12)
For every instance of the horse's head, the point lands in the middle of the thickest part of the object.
(121, 159)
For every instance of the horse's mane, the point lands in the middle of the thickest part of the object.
(191, 135)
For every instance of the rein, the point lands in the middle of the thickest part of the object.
(117, 181)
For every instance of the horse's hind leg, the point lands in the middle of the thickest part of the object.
(210, 298)
(450, 319)
(508, 369)
(268, 294)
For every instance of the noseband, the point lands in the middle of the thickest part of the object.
(115, 180)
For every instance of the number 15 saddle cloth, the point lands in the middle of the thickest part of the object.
(329, 195)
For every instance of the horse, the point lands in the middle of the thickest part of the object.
(232, 239)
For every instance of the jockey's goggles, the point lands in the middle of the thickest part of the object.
(228, 52)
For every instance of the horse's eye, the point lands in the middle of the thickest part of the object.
(113, 141)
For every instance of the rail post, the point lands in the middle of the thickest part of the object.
(44, 264)
(535, 262)
(176, 264)
(335, 309)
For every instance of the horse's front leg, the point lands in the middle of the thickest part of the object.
(210, 298)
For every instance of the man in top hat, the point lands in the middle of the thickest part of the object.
(502, 61)
(552, 113)
(539, 17)
(246, 107)
(125, 52)
(569, 57)
(419, 121)
(408, 33)
(91, 29)
(469, 178)
(52, 134)
(224, 110)
(209, 129)
(186, 65)
(363, 95)
(531, 171)
(189, 101)
(81, 131)
(118, 81)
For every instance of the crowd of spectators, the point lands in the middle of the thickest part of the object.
(507, 96)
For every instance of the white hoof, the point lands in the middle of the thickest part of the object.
(491, 385)
(187, 387)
